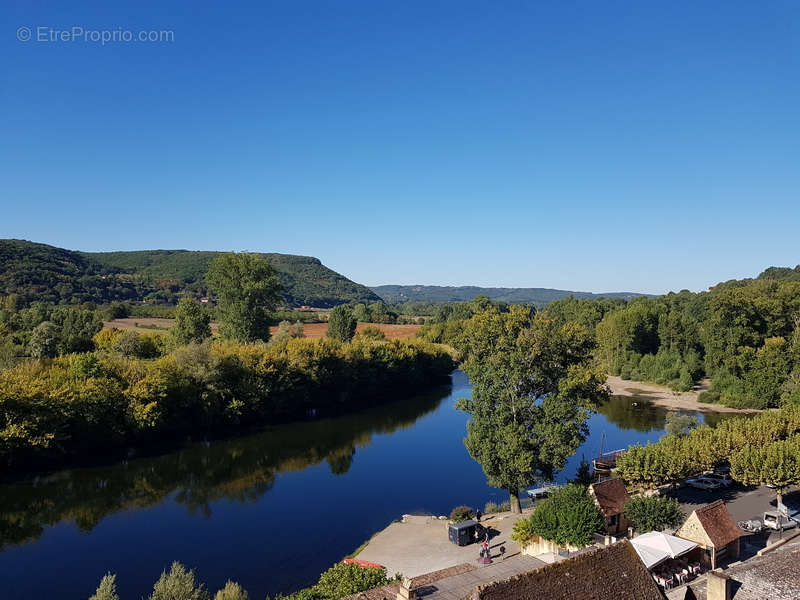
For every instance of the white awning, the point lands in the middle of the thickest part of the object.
(649, 556)
(656, 547)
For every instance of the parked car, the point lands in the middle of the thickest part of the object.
(721, 478)
(702, 483)
(778, 521)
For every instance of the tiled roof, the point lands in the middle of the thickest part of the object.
(773, 576)
(609, 573)
(718, 524)
(611, 496)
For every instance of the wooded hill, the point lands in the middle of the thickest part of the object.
(38, 272)
(539, 297)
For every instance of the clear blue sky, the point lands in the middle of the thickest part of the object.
(597, 146)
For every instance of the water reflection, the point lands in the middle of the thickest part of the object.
(240, 470)
(634, 413)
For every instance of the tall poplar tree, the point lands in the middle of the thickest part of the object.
(247, 289)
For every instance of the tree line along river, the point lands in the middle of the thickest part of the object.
(270, 510)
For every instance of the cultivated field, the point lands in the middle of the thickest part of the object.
(311, 330)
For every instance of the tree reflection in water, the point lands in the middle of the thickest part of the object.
(241, 469)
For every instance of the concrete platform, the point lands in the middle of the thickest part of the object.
(419, 544)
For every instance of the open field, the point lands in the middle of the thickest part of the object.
(393, 332)
(663, 396)
(311, 330)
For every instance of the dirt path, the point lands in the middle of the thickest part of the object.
(663, 396)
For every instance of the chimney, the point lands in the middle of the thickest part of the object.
(406, 592)
(718, 585)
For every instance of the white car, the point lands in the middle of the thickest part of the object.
(721, 478)
(778, 521)
(702, 483)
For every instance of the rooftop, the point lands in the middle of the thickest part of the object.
(773, 576)
(609, 573)
(717, 523)
(610, 495)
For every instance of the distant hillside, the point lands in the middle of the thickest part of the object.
(41, 272)
(397, 294)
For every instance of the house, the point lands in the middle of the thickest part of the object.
(609, 573)
(713, 530)
(610, 496)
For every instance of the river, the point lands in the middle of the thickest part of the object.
(269, 510)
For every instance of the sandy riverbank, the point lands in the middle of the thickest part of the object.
(663, 396)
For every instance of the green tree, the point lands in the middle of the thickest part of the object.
(247, 289)
(568, 517)
(341, 324)
(232, 591)
(344, 579)
(192, 323)
(583, 476)
(776, 464)
(679, 424)
(44, 340)
(178, 584)
(533, 386)
(107, 590)
(653, 513)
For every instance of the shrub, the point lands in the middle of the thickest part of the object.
(231, 591)
(372, 333)
(461, 513)
(178, 584)
(493, 507)
(568, 517)
(653, 513)
(107, 590)
(522, 531)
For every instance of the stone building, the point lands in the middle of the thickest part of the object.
(713, 530)
(611, 496)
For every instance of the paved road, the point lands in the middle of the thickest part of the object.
(743, 503)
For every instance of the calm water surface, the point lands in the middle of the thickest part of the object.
(270, 510)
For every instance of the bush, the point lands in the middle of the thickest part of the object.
(653, 513)
(493, 507)
(568, 517)
(178, 584)
(461, 513)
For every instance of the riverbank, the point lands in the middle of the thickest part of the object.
(667, 398)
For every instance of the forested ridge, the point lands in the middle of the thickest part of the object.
(38, 272)
(539, 297)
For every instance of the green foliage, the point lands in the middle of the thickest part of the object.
(44, 340)
(247, 288)
(372, 333)
(494, 507)
(341, 324)
(78, 403)
(583, 476)
(539, 297)
(178, 584)
(522, 531)
(192, 323)
(107, 590)
(286, 331)
(653, 513)
(232, 591)
(676, 457)
(37, 272)
(532, 388)
(461, 513)
(776, 464)
(679, 424)
(568, 517)
(344, 579)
